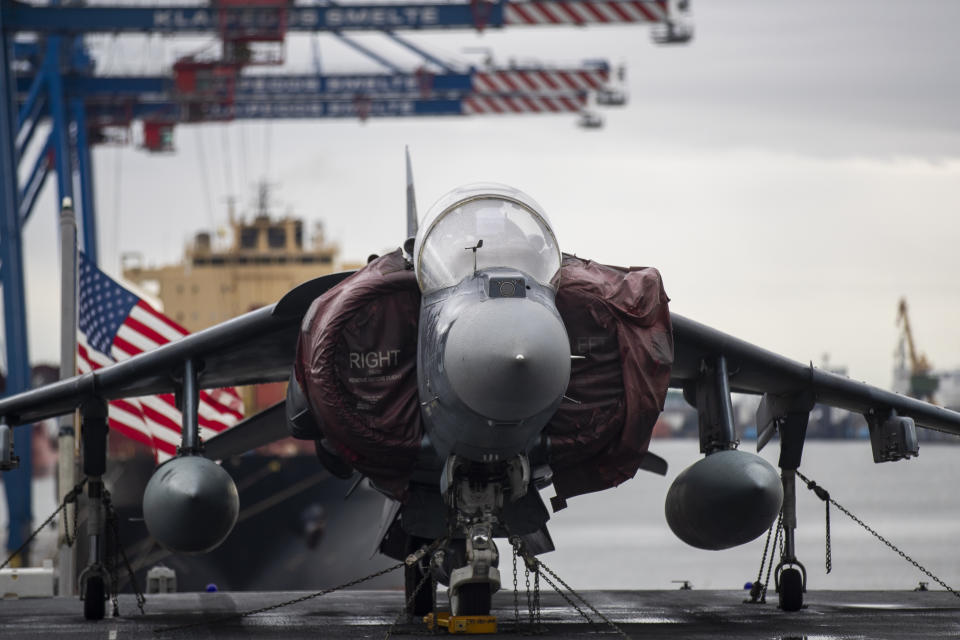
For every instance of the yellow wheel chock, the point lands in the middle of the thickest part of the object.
(462, 624)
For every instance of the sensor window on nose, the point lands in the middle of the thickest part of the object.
(508, 287)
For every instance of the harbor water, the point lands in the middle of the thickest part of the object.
(619, 539)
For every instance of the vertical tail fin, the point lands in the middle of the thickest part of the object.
(411, 200)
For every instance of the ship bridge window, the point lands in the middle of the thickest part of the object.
(277, 237)
(314, 259)
(248, 238)
(514, 236)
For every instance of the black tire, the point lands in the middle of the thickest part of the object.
(474, 599)
(791, 590)
(94, 603)
(422, 603)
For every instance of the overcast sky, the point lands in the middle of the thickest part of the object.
(792, 172)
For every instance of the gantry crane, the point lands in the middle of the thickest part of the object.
(207, 95)
(246, 28)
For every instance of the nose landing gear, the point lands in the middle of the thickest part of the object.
(476, 493)
(472, 586)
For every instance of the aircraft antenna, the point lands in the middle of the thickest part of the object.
(474, 249)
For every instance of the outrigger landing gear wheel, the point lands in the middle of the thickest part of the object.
(475, 599)
(791, 590)
(94, 600)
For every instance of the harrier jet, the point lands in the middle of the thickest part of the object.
(461, 374)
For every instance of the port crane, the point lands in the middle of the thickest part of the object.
(923, 384)
(206, 94)
(253, 33)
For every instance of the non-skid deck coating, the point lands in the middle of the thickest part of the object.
(642, 615)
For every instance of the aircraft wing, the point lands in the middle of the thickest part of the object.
(253, 348)
(259, 347)
(755, 370)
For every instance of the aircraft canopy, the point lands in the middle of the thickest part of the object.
(513, 228)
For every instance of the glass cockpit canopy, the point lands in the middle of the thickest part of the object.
(513, 227)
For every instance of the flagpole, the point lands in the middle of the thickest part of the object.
(66, 459)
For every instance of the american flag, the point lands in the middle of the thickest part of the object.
(115, 325)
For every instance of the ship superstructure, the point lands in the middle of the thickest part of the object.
(264, 257)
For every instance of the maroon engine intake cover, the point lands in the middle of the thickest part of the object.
(619, 319)
(357, 364)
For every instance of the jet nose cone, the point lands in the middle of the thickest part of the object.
(508, 359)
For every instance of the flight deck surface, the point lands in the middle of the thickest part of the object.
(643, 615)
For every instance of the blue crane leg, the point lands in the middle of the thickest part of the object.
(16, 483)
(88, 214)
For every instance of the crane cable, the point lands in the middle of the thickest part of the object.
(117, 214)
(204, 178)
(227, 166)
(244, 173)
(266, 150)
